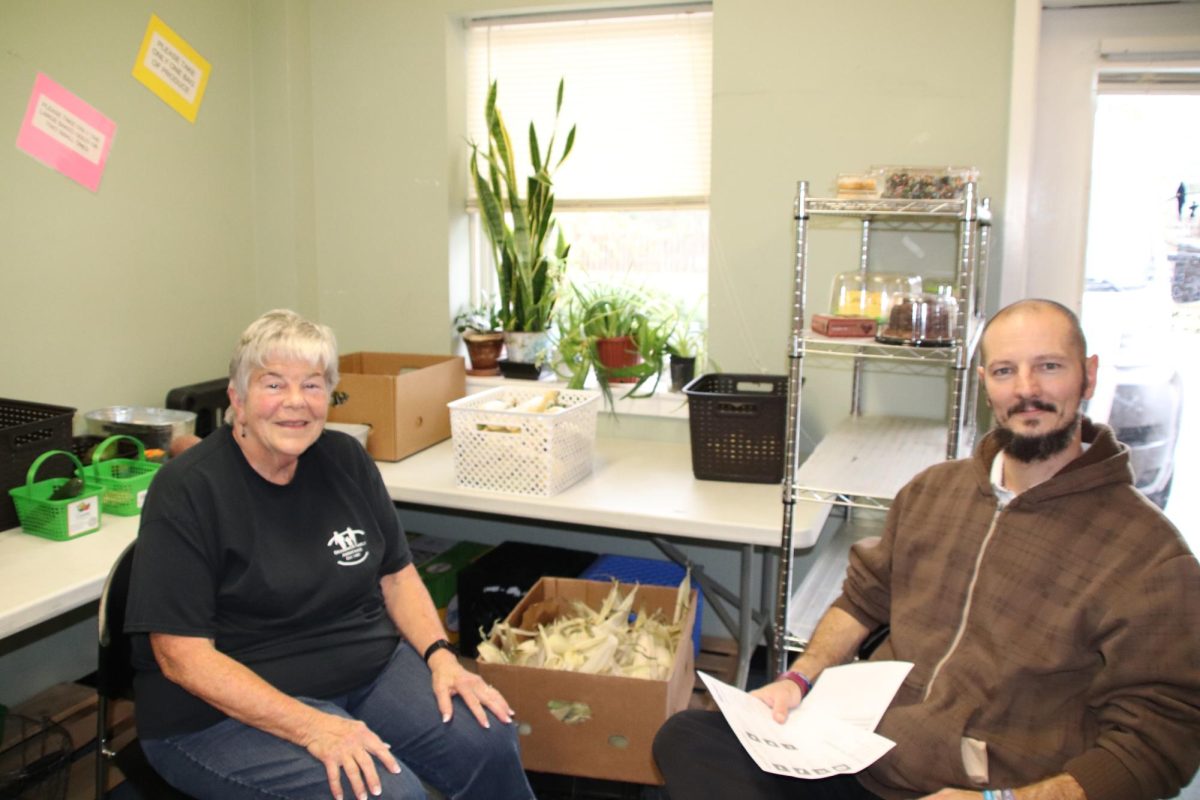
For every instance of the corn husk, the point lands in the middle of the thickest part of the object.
(545, 403)
(602, 641)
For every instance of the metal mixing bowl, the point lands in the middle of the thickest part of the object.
(156, 427)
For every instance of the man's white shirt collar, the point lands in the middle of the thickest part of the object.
(1004, 496)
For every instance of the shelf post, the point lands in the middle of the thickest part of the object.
(864, 261)
(965, 272)
(778, 652)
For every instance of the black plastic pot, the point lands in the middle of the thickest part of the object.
(683, 369)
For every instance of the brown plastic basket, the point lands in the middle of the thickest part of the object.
(738, 424)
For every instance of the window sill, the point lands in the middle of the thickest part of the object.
(662, 404)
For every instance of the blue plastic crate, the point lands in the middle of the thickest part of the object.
(650, 571)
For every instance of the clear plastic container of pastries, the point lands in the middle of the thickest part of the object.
(859, 185)
(921, 319)
(869, 295)
(924, 183)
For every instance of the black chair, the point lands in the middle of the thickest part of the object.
(114, 681)
(207, 399)
(873, 640)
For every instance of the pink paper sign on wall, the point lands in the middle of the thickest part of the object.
(65, 133)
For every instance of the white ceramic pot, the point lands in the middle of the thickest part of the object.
(527, 348)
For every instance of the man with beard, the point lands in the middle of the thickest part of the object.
(1051, 612)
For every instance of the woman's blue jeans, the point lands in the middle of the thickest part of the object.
(460, 758)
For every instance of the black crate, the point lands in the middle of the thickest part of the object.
(738, 424)
(492, 585)
(206, 399)
(26, 431)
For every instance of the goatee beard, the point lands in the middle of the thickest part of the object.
(1028, 449)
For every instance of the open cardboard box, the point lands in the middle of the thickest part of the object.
(626, 713)
(402, 396)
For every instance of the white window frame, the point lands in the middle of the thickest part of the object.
(482, 272)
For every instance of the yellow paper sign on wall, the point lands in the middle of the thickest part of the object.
(170, 68)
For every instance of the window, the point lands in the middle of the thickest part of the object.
(632, 198)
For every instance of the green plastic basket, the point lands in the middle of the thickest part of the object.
(124, 480)
(57, 519)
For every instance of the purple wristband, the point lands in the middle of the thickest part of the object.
(795, 677)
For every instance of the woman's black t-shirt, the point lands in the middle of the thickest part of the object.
(284, 579)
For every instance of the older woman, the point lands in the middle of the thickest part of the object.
(290, 649)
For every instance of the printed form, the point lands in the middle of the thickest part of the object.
(831, 733)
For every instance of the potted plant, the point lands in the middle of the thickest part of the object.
(619, 333)
(686, 347)
(528, 246)
(481, 332)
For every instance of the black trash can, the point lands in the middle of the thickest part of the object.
(35, 761)
(492, 585)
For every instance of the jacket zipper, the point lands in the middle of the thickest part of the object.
(962, 625)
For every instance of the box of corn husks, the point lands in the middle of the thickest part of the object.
(580, 709)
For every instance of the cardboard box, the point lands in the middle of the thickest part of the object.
(440, 576)
(626, 713)
(401, 396)
(829, 325)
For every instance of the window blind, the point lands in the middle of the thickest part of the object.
(638, 88)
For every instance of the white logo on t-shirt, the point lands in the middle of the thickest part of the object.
(350, 548)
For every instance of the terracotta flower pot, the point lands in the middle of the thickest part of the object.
(484, 350)
(618, 352)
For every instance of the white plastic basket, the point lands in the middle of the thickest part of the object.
(523, 452)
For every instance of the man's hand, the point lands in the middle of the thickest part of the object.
(348, 745)
(450, 678)
(782, 696)
(835, 641)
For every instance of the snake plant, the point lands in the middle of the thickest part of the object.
(527, 244)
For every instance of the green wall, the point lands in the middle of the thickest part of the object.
(326, 170)
(806, 90)
(801, 90)
(117, 296)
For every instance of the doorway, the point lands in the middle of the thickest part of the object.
(1141, 301)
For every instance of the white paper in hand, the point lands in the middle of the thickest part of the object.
(831, 732)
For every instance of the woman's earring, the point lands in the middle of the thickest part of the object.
(243, 431)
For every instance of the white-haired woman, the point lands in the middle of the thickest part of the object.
(285, 645)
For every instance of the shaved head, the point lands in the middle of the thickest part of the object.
(1035, 305)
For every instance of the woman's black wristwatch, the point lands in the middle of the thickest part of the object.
(440, 644)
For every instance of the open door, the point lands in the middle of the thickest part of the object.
(1141, 299)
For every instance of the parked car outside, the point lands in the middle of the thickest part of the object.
(1139, 392)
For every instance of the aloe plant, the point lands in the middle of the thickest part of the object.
(609, 311)
(528, 246)
(689, 338)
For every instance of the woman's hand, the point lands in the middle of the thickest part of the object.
(450, 678)
(782, 696)
(348, 745)
(954, 794)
